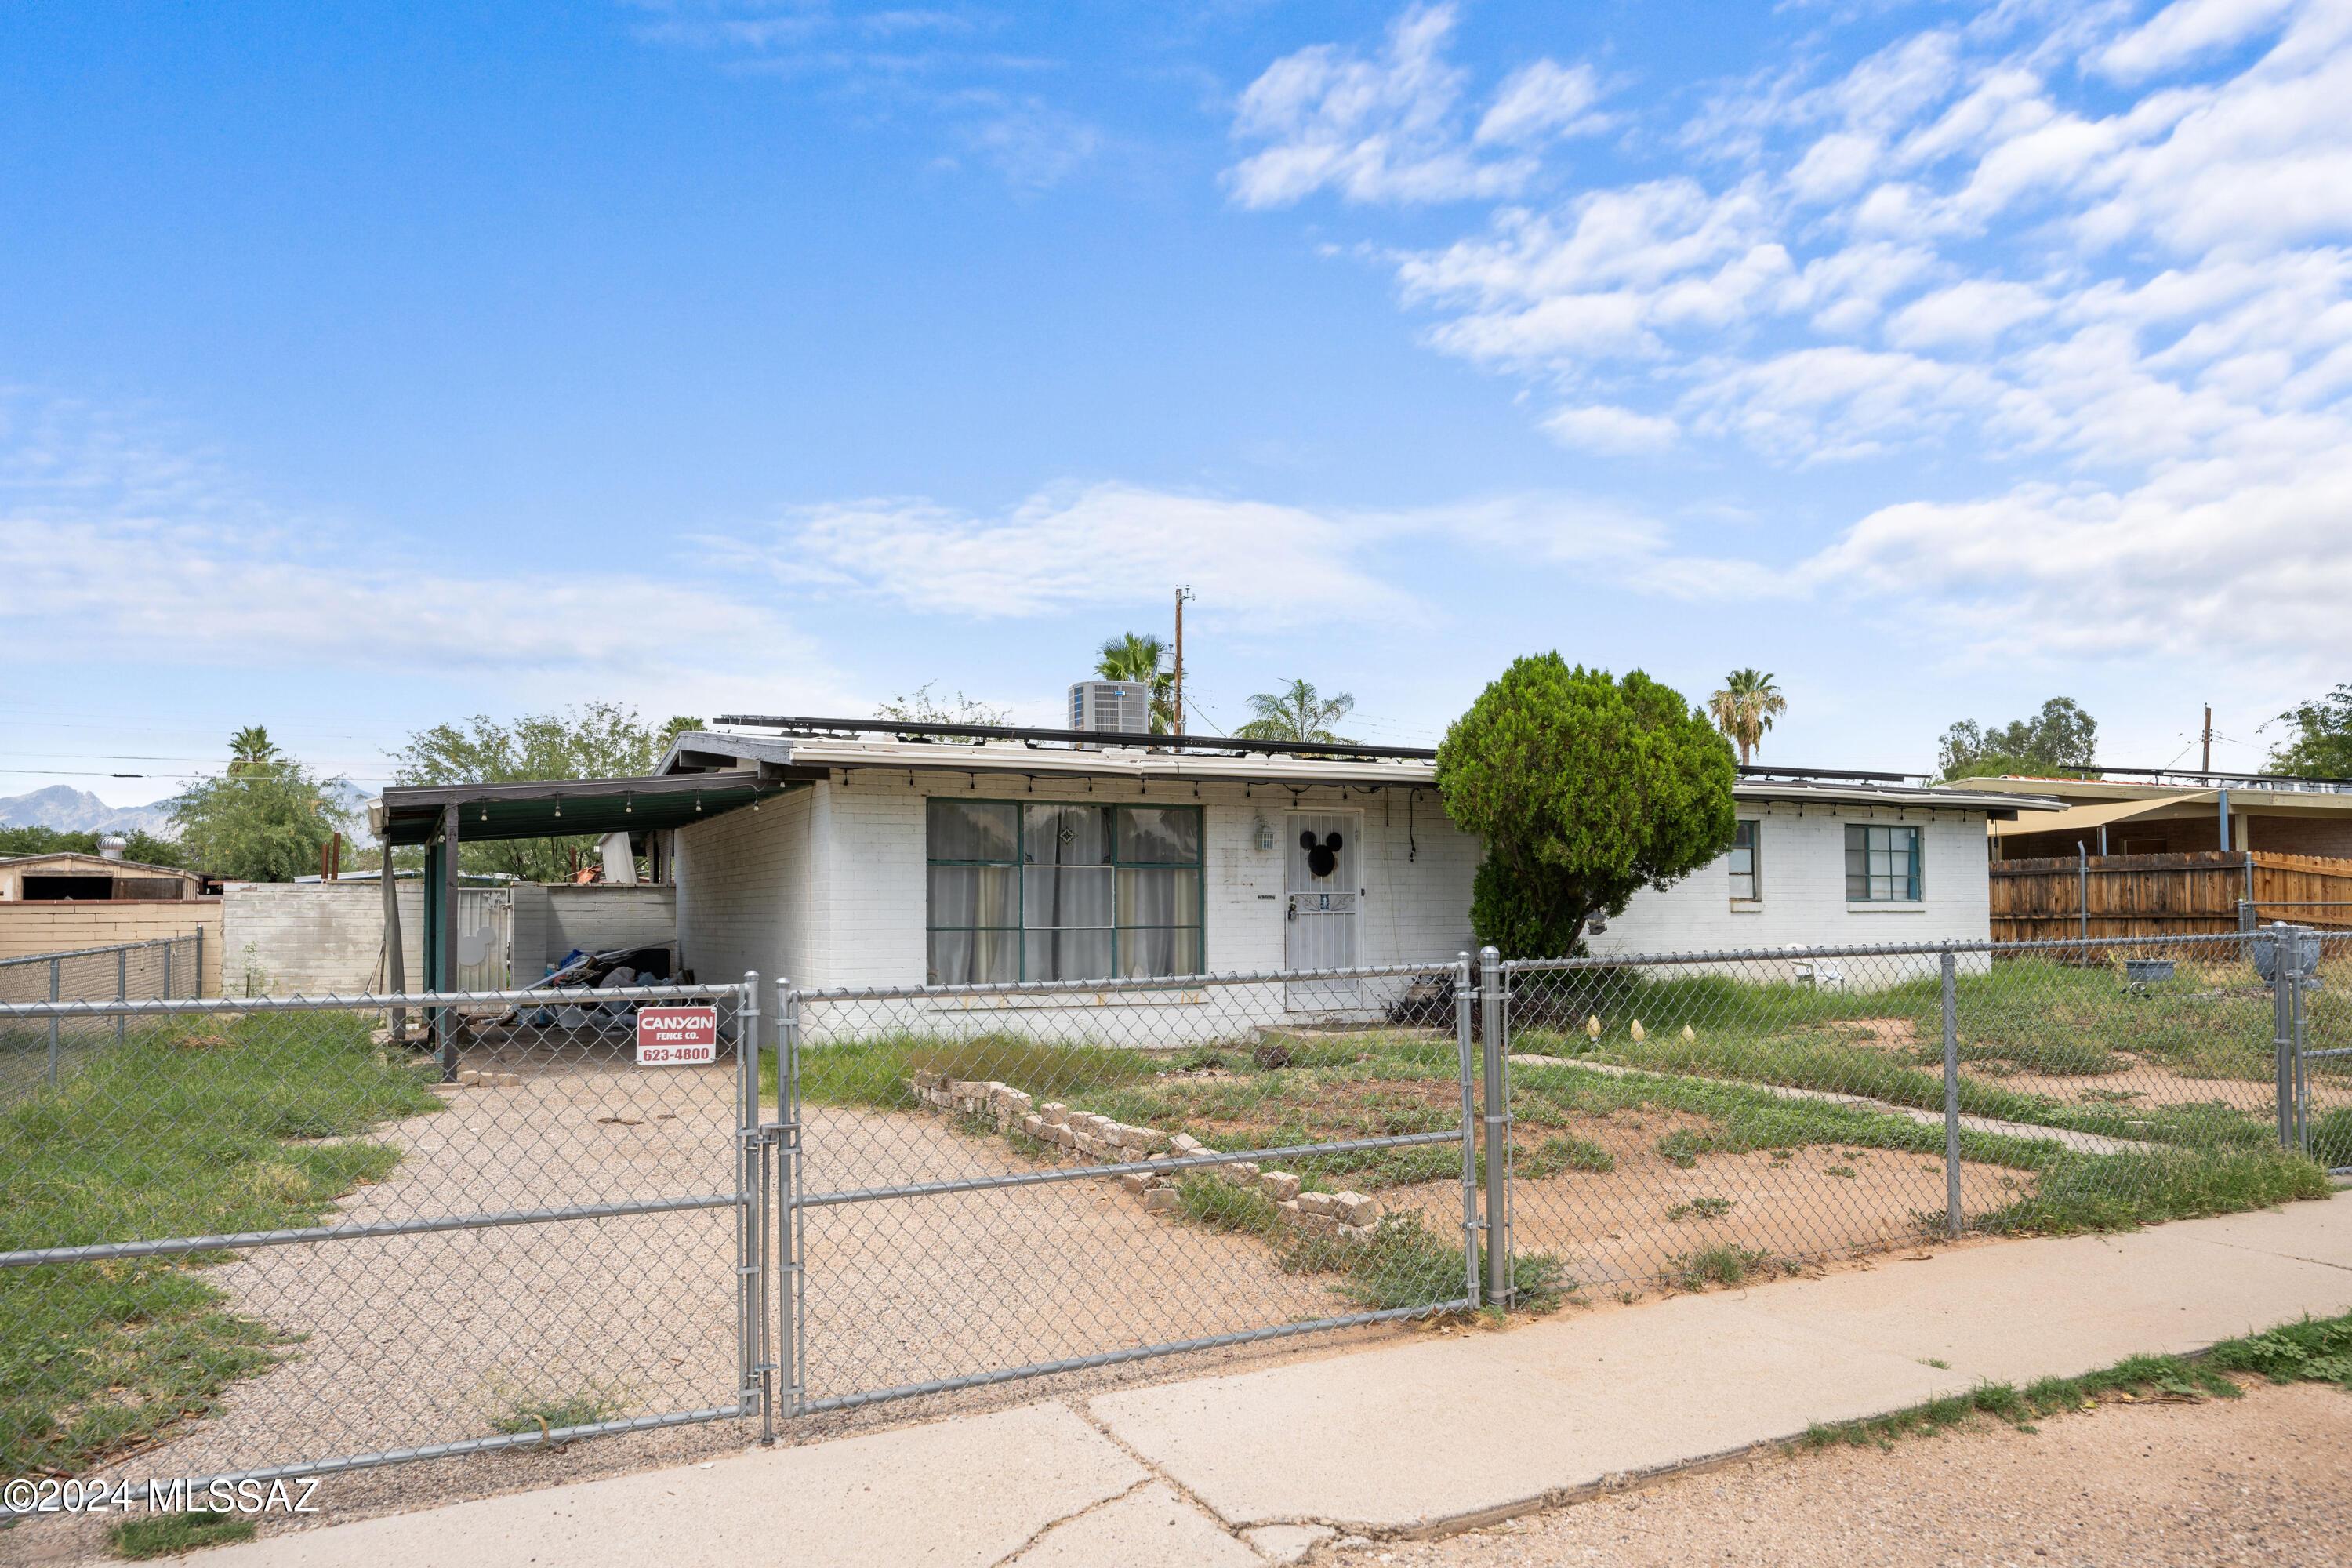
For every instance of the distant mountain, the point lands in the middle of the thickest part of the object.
(70, 810)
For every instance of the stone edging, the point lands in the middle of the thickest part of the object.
(1351, 1215)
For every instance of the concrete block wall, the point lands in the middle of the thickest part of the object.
(593, 918)
(31, 929)
(313, 939)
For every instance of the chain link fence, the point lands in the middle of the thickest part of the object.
(257, 1237)
(1687, 1119)
(36, 1051)
(990, 1182)
(254, 1237)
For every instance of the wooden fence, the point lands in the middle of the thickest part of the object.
(2165, 894)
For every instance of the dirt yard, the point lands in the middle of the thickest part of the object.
(1647, 1216)
(2263, 1480)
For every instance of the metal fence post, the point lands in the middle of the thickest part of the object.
(196, 982)
(1953, 1220)
(122, 988)
(752, 1161)
(791, 1350)
(170, 945)
(53, 1022)
(1464, 985)
(2284, 950)
(1498, 1129)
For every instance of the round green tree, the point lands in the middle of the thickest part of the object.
(1586, 789)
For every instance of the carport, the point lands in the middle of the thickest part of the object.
(443, 816)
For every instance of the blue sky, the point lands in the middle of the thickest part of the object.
(364, 367)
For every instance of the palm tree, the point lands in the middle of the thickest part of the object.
(1298, 713)
(1745, 707)
(251, 749)
(1131, 657)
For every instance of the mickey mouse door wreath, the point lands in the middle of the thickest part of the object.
(1322, 857)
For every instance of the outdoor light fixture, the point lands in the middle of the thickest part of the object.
(1263, 831)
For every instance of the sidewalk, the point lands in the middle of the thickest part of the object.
(1414, 1438)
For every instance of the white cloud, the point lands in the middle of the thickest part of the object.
(1971, 314)
(116, 537)
(1603, 427)
(1069, 548)
(2182, 31)
(1540, 101)
(1392, 128)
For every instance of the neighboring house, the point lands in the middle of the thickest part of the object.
(82, 878)
(2156, 812)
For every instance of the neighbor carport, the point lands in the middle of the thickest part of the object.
(442, 816)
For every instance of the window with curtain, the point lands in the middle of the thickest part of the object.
(1882, 864)
(1062, 891)
(1744, 884)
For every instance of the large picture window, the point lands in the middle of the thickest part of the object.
(1882, 864)
(1062, 891)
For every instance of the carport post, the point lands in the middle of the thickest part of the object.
(445, 1018)
(1498, 1124)
(396, 962)
(1953, 1222)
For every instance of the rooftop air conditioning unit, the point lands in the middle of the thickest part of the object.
(1114, 707)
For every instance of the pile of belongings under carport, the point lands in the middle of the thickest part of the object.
(595, 972)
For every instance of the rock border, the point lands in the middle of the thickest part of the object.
(1350, 1216)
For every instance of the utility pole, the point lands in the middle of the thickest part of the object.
(1182, 594)
(2209, 707)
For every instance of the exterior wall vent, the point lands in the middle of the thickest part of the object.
(111, 845)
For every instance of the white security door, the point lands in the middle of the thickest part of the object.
(1319, 907)
(485, 939)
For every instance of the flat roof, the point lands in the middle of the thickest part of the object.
(2317, 797)
(103, 861)
(705, 753)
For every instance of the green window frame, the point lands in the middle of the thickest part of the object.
(1744, 869)
(1882, 864)
(1060, 890)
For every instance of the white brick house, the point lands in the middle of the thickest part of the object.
(903, 863)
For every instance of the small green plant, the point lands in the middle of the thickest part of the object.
(555, 1414)
(170, 1534)
(1565, 1154)
(1682, 1147)
(2316, 1349)
(1845, 1171)
(2331, 1139)
(1722, 1264)
(1701, 1208)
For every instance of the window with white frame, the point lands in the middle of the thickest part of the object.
(1744, 885)
(1882, 864)
(1022, 890)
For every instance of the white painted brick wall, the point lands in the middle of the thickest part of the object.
(829, 884)
(1800, 855)
(314, 939)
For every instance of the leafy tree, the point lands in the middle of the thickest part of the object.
(2322, 747)
(138, 844)
(1298, 713)
(1139, 656)
(2059, 741)
(1586, 789)
(591, 740)
(1746, 707)
(264, 819)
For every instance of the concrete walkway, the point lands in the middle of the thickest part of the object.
(1437, 1432)
(2033, 1132)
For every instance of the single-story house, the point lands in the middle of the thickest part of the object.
(851, 853)
(69, 875)
(2161, 812)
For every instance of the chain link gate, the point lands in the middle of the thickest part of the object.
(984, 1184)
(253, 1238)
